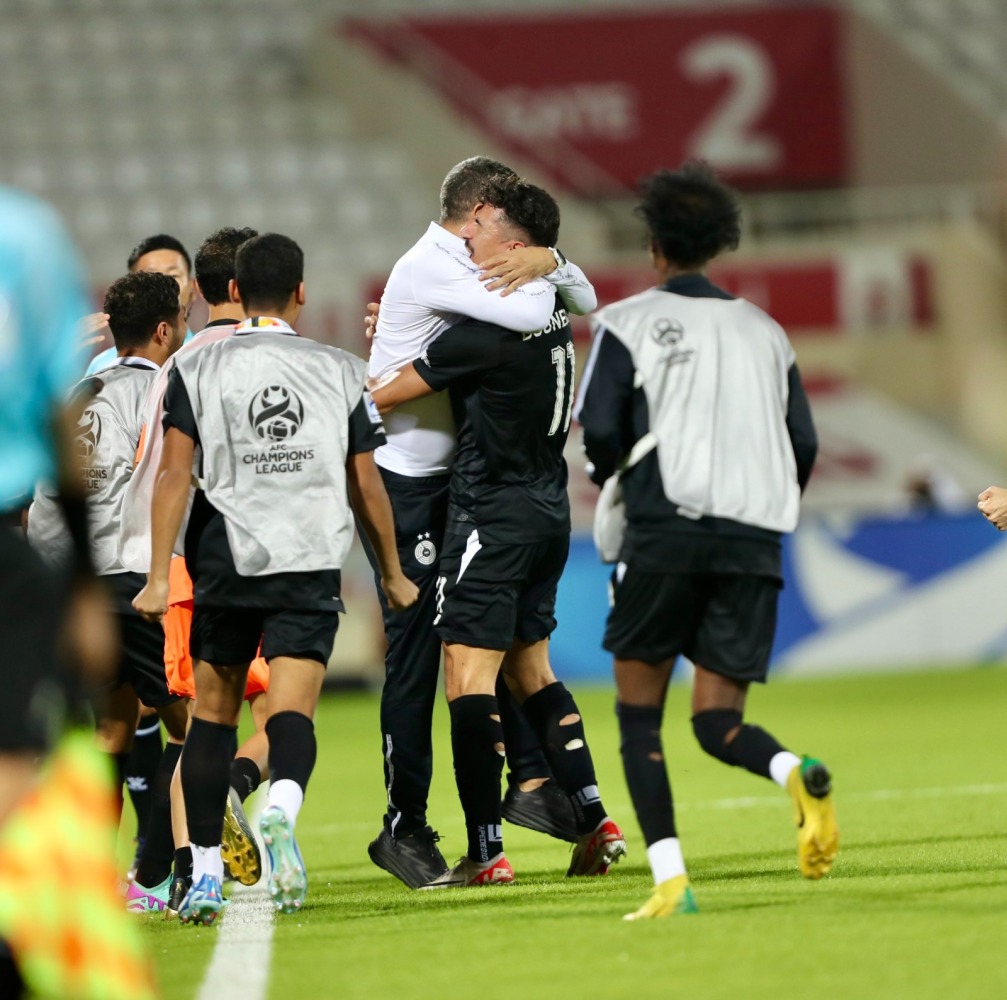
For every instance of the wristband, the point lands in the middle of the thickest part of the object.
(560, 259)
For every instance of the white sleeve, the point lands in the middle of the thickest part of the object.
(574, 289)
(449, 282)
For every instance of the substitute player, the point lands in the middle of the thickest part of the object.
(286, 433)
(214, 272)
(507, 540)
(146, 319)
(709, 383)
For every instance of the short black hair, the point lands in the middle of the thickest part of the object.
(531, 209)
(136, 303)
(691, 215)
(162, 241)
(215, 262)
(462, 186)
(268, 269)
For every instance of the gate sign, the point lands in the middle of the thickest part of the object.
(599, 100)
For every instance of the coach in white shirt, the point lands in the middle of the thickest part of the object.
(431, 287)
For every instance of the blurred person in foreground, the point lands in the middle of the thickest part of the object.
(432, 287)
(56, 817)
(506, 544)
(213, 277)
(693, 399)
(287, 432)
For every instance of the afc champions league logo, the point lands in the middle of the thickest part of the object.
(667, 332)
(88, 433)
(425, 551)
(276, 413)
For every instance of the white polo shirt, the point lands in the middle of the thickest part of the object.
(431, 287)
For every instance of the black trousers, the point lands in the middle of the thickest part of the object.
(412, 660)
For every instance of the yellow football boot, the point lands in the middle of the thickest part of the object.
(810, 788)
(669, 898)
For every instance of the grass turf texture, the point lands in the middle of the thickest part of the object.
(916, 906)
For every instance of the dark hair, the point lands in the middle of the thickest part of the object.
(529, 208)
(691, 216)
(136, 303)
(268, 269)
(461, 189)
(162, 241)
(215, 262)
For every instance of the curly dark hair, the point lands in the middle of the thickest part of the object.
(136, 303)
(463, 183)
(531, 209)
(691, 216)
(268, 269)
(215, 262)
(162, 241)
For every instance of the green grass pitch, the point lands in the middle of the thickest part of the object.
(916, 906)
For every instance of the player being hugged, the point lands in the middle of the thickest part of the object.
(286, 432)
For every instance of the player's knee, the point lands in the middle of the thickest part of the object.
(714, 729)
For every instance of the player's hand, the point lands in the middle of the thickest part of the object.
(514, 268)
(90, 633)
(400, 592)
(371, 320)
(93, 328)
(993, 504)
(152, 601)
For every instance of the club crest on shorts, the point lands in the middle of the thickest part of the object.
(276, 413)
(425, 551)
(88, 433)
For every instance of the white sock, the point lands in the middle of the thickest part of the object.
(288, 795)
(666, 861)
(206, 861)
(781, 765)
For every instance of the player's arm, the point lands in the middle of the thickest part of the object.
(448, 281)
(371, 504)
(507, 272)
(800, 427)
(605, 405)
(170, 496)
(398, 387)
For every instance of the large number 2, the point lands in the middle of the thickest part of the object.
(729, 138)
(564, 388)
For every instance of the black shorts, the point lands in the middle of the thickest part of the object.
(490, 595)
(142, 661)
(724, 622)
(226, 636)
(35, 683)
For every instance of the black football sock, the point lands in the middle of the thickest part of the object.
(292, 747)
(478, 749)
(567, 751)
(525, 759)
(206, 761)
(646, 774)
(141, 771)
(245, 776)
(722, 734)
(183, 864)
(159, 845)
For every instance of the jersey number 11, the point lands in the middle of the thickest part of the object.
(564, 388)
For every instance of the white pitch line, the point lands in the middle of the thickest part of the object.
(239, 968)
